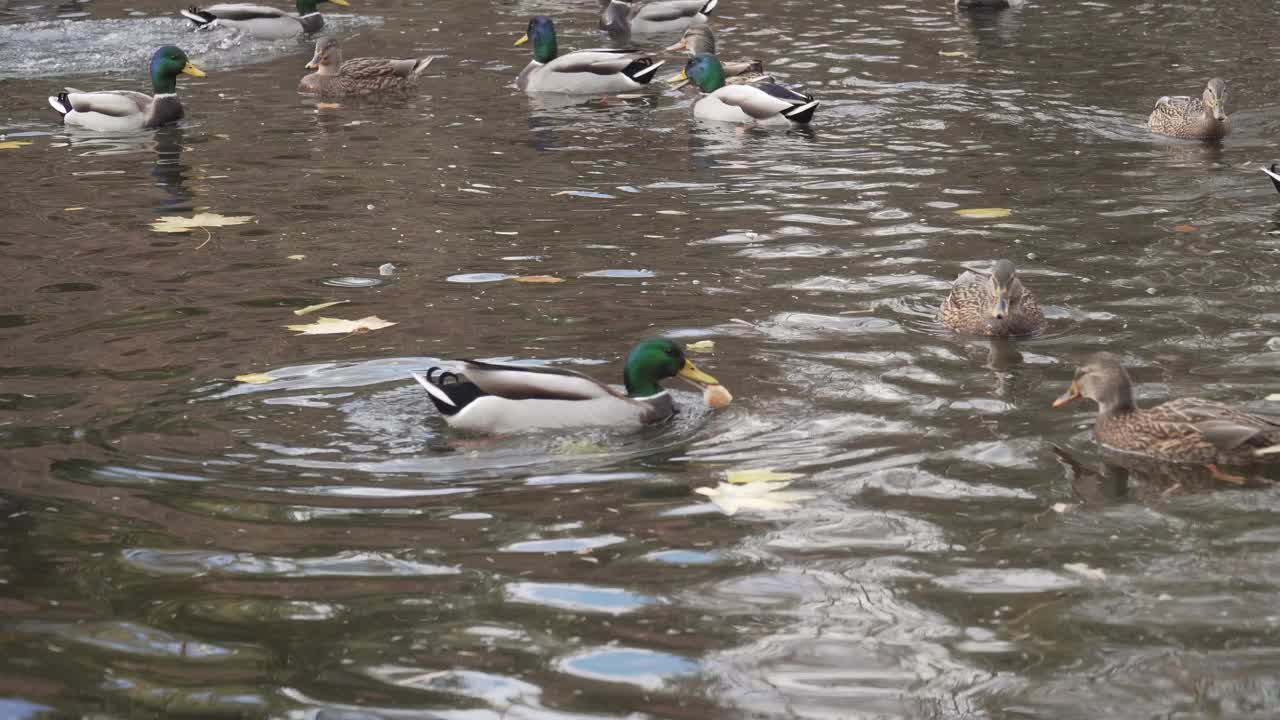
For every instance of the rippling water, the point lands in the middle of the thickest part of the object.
(176, 543)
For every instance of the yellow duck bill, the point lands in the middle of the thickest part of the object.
(691, 373)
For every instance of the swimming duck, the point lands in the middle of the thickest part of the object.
(623, 18)
(994, 305)
(582, 72)
(1203, 118)
(358, 76)
(1186, 430)
(988, 4)
(497, 398)
(700, 40)
(260, 21)
(123, 110)
(763, 101)
(1274, 174)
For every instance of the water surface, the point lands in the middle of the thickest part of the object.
(176, 543)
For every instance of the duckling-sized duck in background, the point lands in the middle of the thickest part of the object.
(992, 305)
(124, 110)
(700, 40)
(763, 101)
(358, 76)
(260, 21)
(582, 72)
(1202, 118)
(495, 398)
(623, 18)
(1274, 174)
(1186, 430)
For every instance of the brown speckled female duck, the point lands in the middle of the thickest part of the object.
(1202, 118)
(992, 305)
(358, 76)
(1186, 430)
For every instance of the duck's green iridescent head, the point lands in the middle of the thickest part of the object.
(542, 32)
(306, 7)
(705, 71)
(167, 63)
(653, 361)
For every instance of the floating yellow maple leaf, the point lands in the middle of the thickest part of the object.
(338, 326)
(321, 306)
(538, 279)
(701, 346)
(13, 144)
(953, 53)
(741, 477)
(762, 496)
(984, 213)
(254, 378)
(179, 224)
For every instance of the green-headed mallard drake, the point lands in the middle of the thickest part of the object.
(261, 21)
(335, 77)
(993, 305)
(700, 40)
(624, 18)
(763, 101)
(1202, 118)
(1186, 430)
(1274, 173)
(494, 398)
(124, 110)
(582, 72)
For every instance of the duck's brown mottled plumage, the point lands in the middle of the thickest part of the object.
(358, 76)
(1191, 118)
(699, 39)
(1186, 430)
(995, 305)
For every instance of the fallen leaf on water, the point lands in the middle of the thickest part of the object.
(1273, 396)
(338, 326)
(763, 497)
(701, 346)
(1185, 228)
(13, 144)
(328, 106)
(179, 224)
(579, 447)
(985, 213)
(953, 53)
(254, 378)
(72, 209)
(296, 257)
(538, 279)
(321, 306)
(740, 477)
(1085, 571)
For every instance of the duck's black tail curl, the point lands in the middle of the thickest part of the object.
(449, 391)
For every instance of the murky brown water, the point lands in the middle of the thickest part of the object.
(179, 544)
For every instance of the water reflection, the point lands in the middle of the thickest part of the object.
(169, 171)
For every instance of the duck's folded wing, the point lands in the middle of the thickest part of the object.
(116, 103)
(373, 68)
(519, 382)
(669, 11)
(239, 11)
(754, 100)
(598, 61)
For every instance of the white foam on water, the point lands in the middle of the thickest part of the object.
(75, 47)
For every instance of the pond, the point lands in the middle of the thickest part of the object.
(314, 542)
